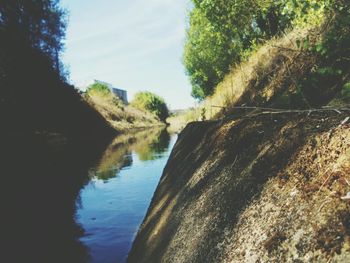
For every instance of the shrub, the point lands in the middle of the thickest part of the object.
(152, 103)
(98, 87)
(333, 53)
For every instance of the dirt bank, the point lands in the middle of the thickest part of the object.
(258, 189)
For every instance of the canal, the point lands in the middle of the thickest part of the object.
(113, 203)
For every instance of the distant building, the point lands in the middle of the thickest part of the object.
(121, 94)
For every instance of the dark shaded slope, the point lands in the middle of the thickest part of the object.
(49, 138)
(33, 97)
(217, 171)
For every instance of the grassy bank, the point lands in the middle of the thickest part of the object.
(304, 64)
(178, 121)
(120, 116)
(280, 74)
(34, 98)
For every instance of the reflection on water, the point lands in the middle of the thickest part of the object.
(42, 177)
(116, 199)
(148, 145)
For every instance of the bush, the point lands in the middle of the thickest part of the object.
(152, 103)
(333, 53)
(98, 87)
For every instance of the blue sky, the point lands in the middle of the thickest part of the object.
(135, 45)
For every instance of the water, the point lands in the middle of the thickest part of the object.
(114, 202)
(76, 201)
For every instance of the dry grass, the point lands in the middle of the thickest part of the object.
(272, 71)
(303, 204)
(269, 72)
(179, 121)
(121, 117)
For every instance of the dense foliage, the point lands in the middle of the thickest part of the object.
(333, 52)
(98, 87)
(40, 24)
(222, 32)
(33, 93)
(151, 102)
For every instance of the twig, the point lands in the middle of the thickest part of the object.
(347, 181)
(329, 176)
(215, 106)
(282, 111)
(322, 205)
(287, 48)
(276, 110)
(234, 162)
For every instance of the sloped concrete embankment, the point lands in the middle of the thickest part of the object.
(259, 189)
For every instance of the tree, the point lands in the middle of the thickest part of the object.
(208, 54)
(151, 102)
(221, 32)
(40, 24)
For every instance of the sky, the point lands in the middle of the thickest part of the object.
(135, 45)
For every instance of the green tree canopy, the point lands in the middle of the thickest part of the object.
(208, 53)
(220, 32)
(99, 87)
(151, 102)
(40, 24)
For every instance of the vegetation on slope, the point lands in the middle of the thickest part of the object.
(151, 102)
(178, 121)
(305, 64)
(120, 116)
(222, 33)
(265, 185)
(34, 96)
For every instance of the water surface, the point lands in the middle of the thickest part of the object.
(114, 202)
